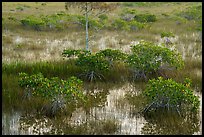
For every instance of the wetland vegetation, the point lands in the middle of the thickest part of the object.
(142, 73)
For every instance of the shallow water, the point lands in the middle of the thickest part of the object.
(116, 108)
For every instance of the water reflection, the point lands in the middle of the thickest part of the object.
(10, 123)
(107, 112)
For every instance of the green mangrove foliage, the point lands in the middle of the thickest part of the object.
(120, 24)
(34, 22)
(144, 18)
(142, 4)
(94, 65)
(38, 85)
(131, 20)
(58, 21)
(61, 20)
(169, 94)
(103, 18)
(112, 55)
(167, 34)
(59, 93)
(193, 13)
(147, 57)
(132, 14)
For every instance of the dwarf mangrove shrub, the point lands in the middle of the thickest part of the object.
(147, 57)
(58, 21)
(120, 24)
(103, 18)
(142, 4)
(81, 20)
(167, 34)
(112, 55)
(144, 18)
(134, 25)
(11, 18)
(52, 21)
(94, 65)
(128, 14)
(70, 89)
(193, 13)
(169, 94)
(59, 93)
(20, 8)
(34, 22)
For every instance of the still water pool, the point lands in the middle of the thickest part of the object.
(115, 116)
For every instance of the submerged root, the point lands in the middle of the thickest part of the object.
(92, 76)
(58, 105)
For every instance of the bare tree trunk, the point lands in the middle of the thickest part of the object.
(87, 34)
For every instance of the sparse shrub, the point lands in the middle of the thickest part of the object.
(43, 4)
(135, 26)
(12, 18)
(145, 18)
(169, 94)
(129, 4)
(142, 4)
(165, 14)
(50, 88)
(128, 14)
(19, 8)
(120, 24)
(193, 13)
(94, 65)
(103, 17)
(81, 20)
(167, 34)
(112, 55)
(34, 22)
(147, 58)
(58, 21)
(128, 11)
(57, 91)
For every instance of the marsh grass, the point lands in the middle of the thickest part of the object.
(11, 92)
(192, 70)
(138, 101)
(7, 40)
(170, 123)
(118, 73)
(62, 69)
